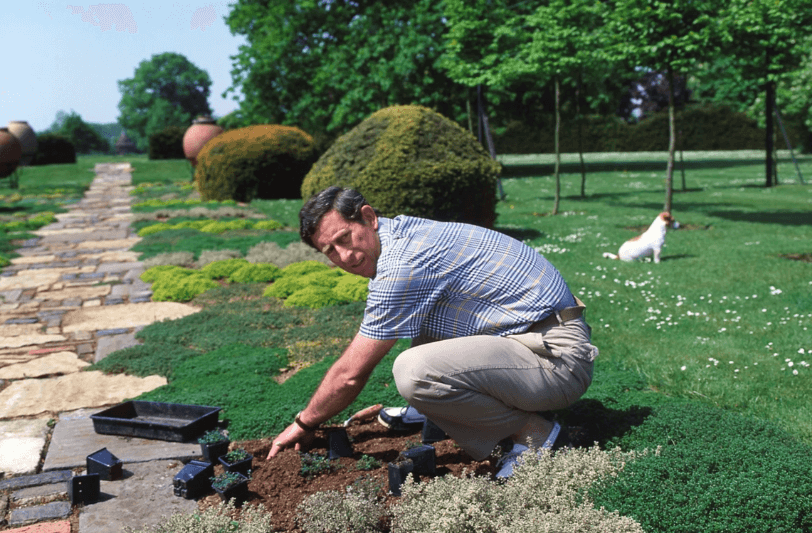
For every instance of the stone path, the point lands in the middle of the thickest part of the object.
(72, 297)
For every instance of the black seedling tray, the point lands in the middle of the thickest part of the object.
(156, 420)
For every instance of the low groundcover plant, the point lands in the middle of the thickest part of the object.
(216, 519)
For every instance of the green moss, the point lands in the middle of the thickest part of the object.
(412, 160)
(292, 282)
(255, 273)
(352, 288)
(223, 269)
(181, 289)
(256, 162)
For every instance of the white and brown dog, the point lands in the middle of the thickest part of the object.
(650, 242)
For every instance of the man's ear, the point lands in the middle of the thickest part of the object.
(369, 217)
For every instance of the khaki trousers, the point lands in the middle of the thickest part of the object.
(481, 389)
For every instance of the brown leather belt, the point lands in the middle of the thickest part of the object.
(559, 317)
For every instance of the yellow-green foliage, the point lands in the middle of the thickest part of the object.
(172, 283)
(212, 226)
(314, 284)
(313, 296)
(4, 261)
(412, 160)
(256, 162)
(255, 273)
(223, 269)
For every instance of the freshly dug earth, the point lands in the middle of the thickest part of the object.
(280, 486)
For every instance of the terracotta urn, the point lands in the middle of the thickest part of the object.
(28, 139)
(202, 130)
(10, 153)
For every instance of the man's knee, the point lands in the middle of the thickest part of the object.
(407, 374)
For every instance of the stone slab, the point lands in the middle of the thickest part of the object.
(22, 444)
(125, 244)
(72, 391)
(62, 526)
(36, 480)
(55, 363)
(49, 511)
(85, 293)
(109, 344)
(30, 495)
(124, 316)
(139, 501)
(74, 438)
(29, 340)
(33, 259)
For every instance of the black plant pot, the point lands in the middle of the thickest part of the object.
(193, 480)
(104, 463)
(242, 466)
(424, 459)
(84, 489)
(397, 474)
(213, 450)
(339, 443)
(237, 490)
(432, 432)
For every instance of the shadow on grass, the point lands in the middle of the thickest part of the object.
(528, 170)
(588, 421)
(520, 234)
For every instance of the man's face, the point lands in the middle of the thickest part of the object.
(352, 246)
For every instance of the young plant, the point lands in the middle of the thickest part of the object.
(367, 462)
(236, 455)
(226, 479)
(314, 464)
(211, 436)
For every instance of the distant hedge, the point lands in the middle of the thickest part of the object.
(167, 143)
(700, 127)
(54, 150)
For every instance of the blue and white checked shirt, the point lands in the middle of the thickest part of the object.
(445, 280)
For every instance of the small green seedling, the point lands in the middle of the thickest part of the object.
(211, 436)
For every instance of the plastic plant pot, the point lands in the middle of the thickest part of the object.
(84, 489)
(231, 485)
(432, 432)
(397, 474)
(339, 443)
(213, 444)
(232, 464)
(193, 480)
(104, 463)
(424, 459)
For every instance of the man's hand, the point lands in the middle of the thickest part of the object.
(292, 436)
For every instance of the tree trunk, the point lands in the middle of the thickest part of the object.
(557, 151)
(672, 143)
(768, 163)
(580, 136)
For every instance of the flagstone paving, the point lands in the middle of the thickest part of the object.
(72, 297)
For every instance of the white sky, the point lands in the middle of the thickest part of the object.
(59, 56)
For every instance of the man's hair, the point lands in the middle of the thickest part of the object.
(347, 202)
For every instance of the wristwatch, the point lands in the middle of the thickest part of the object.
(302, 425)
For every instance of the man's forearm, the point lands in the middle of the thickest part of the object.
(345, 380)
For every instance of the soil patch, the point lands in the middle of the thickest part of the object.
(279, 485)
(806, 258)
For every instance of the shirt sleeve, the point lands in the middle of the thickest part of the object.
(399, 302)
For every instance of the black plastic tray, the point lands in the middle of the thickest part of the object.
(156, 420)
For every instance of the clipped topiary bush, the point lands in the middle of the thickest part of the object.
(167, 143)
(54, 150)
(257, 162)
(412, 160)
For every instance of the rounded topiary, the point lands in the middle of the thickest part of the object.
(256, 162)
(54, 149)
(167, 143)
(412, 160)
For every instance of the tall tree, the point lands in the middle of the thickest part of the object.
(522, 43)
(166, 90)
(668, 36)
(765, 38)
(84, 137)
(325, 66)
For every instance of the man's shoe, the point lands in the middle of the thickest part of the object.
(508, 462)
(401, 418)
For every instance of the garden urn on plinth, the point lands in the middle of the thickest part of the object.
(10, 153)
(27, 138)
(202, 130)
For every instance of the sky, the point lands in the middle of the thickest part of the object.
(66, 57)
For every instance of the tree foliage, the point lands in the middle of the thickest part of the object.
(325, 66)
(83, 136)
(166, 90)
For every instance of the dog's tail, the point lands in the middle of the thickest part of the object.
(610, 255)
